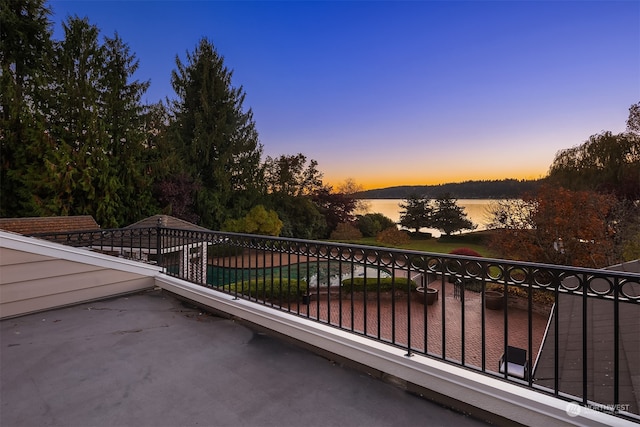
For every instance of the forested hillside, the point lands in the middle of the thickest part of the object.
(497, 189)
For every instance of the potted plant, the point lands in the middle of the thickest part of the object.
(493, 300)
(432, 295)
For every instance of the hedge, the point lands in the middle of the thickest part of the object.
(359, 284)
(285, 290)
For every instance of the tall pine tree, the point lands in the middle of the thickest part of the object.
(123, 115)
(216, 138)
(72, 168)
(92, 163)
(25, 52)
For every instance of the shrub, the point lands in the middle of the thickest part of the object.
(373, 223)
(345, 231)
(393, 236)
(259, 220)
(285, 290)
(359, 284)
(540, 296)
(420, 235)
(465, 251)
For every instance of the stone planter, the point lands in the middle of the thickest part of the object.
(493, 300)
(522, 303)
(432, 295)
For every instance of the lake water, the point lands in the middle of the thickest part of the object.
(476, 210)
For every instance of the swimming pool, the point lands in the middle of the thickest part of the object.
(326, 273)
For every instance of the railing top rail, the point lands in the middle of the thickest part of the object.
(50, 233)
(567, 270)
(484, 260)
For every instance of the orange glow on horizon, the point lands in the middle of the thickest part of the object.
(376, 182)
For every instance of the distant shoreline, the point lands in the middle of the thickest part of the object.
(494, 190)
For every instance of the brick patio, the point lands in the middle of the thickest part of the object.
(341, 314)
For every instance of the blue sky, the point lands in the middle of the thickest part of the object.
(392, 92)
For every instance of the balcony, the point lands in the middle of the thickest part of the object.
(578, 339)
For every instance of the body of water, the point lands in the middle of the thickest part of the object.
(476, 210)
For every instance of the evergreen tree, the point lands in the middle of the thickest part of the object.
(91, 160)
(633, 121)
(301, 217)
(448, 217)
(173, 189)
(25, 48)
(416, 212)
(71, 179)
(291, 175)
(123, 115)
(214, 135)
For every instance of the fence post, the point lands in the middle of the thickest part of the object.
(159, 242)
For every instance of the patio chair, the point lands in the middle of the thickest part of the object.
(515, 360)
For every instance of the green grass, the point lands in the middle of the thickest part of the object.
(441, 245)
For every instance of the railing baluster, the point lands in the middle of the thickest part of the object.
(328, 302)
(462, 320)
(409, 322)
(366, 296)
(556, 336)
(483, 317)
(378, 302)
(443, 315)
(505, 296)
(584, 340)
(393, 300)
(616, 344)
(424, 282)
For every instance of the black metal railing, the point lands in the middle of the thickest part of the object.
(570, 332)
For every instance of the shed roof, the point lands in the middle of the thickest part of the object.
(600, 332)
(33, 225)
(166, 221)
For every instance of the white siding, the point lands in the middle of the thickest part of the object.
(37, 275)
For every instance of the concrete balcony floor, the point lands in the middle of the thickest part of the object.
(150, 360)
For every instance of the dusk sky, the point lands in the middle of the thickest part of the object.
(392, 93)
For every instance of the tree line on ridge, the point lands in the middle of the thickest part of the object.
(484, 189)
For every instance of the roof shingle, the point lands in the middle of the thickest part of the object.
(33, 225)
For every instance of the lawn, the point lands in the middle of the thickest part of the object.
(444, 244)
